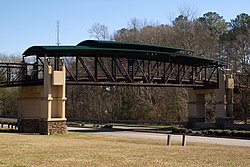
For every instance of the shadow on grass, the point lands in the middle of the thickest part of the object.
(8, 130)
(96, 130)
(115, 129)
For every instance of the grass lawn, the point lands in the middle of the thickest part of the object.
(85, 149)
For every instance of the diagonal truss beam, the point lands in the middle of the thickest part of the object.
(90, 74)
(123, 70)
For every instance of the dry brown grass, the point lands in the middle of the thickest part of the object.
(82, 149)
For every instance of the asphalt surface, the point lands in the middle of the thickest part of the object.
(127, 132)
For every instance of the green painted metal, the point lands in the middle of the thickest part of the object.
(129, 45)
(125, 50)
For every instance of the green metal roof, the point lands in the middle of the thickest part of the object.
(126, 50)
(42, 50)
(128, 45)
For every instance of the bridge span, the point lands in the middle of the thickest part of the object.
(46, 70)
(113, 63)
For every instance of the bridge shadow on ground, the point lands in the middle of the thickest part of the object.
(93, 130)
(119, 129)
(8, 130)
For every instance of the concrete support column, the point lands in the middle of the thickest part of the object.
(229, 96)
(224, 103)
(224, 100)
(42, 108)
(196, 107)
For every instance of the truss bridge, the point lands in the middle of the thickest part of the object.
(114, 63)
(45, 71)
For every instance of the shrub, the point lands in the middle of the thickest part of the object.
(107, 126)
(234, 132)
(218, 132)
(178, 130)
(204, 132)
(210, 132)
(226, 133)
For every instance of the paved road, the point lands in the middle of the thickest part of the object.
(132, 134)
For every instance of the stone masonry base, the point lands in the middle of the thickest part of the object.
(52, 127)
(42, 127)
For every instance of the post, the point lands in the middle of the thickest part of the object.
(168, 140)
(184, 142)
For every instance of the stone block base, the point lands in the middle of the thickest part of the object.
(221, 122)
(192, 121)
(28, 125)
(42, 127)
(52, 127)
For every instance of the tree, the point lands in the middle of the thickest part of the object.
(210, 35)
(237, 49)
(216, 27)
(9, 96)
(99, 31)
(236, 42)
(215, 24)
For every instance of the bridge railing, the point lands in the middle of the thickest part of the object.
(18, 74)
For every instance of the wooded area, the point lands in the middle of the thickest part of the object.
(210, 36)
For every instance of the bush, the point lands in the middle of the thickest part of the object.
(243, 134)
(226, 133)
(179, 130)
(210, 132)
(234, 132)
(204, 132)
(107, 126)
(218, 132)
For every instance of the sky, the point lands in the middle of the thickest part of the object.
(25, 23)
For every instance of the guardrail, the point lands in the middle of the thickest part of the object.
(10, 122)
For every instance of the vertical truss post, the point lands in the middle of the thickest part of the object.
(8, 74)
(149, 69)
(164, 71)
(178, 73)
(192, 73)
(205, 70)
(218, 77)
(96, 68)
(77, 68)
(131, 68)
(113, 67)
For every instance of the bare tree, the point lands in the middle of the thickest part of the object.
(188, 11)
(99, 31)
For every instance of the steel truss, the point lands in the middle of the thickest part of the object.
(136, 72)
(20, 74)
(98, 70)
